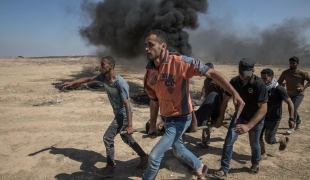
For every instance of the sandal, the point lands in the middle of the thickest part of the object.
(203, 144)
(203, 174)
(220, 174)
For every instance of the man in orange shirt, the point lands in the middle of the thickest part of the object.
(167, 84)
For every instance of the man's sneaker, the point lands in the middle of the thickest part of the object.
(290, 131)
(298, 125)
(254, 169)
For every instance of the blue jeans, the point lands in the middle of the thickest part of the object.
(174, 129)
(232, 136)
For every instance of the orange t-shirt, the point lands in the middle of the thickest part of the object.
(169, 84)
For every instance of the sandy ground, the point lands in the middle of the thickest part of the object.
(34, 115)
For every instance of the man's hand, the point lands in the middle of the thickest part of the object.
(219, 123)
(67, 84)
(301, 89)
(129, 130)
(242, 128)
(291, 123)
(239, 105)
(152, 132)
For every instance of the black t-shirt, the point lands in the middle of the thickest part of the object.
(252, 93)
(276, 96)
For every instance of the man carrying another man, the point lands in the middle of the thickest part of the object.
(253, 91)
(167, 84)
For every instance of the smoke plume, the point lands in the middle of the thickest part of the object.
(223, 41)
(121, 25)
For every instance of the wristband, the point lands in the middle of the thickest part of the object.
(291, 119)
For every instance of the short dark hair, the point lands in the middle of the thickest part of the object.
(110, 59)
(161, 36)
(210, 65)
(267, 71)
(294, 58)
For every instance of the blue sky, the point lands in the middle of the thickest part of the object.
(33, 28)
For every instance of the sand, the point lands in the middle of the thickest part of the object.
(35, 116)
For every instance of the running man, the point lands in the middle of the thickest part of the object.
(276, 94)
(295, 87)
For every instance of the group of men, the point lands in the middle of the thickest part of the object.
(166, 82)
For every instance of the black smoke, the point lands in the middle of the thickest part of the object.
(223, 41)
(121, 25)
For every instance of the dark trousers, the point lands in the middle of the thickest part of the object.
(270, 129)
(119, 123)
(297, 101)
(210, 107)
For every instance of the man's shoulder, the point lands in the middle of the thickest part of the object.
(286, 71)
(120, 79)
(100, 77)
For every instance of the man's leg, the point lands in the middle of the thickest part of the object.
(262, 144)
(209, 106)
(178, 147)
(128, 139)
(297, 101)
(230, 139)
(108, 139)
(254, 136)
(158, 151)
(271, 138)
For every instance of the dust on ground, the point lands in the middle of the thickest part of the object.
(35, 116)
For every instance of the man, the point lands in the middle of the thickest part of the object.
(253, 91)
(294, 81)
(276, 94)
(209, 110)
(118, 93)
(167, 84)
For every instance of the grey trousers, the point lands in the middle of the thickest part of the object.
(119, 123)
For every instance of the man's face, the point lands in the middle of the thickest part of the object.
(153, 48)
(105, 67)
(293, 65)
(267, 79)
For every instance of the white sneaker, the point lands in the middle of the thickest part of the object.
(290, 131)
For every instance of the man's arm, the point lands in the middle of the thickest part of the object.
(154, 107)
(202, 93)
(219, 123)
(129, 127)
(290, 106)
(260, 113)
(220, 79)
(281, 79)
(78, 81)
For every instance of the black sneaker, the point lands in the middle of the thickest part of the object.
(298, 126)
(254, 169)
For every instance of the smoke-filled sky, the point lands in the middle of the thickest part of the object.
(267, 31)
